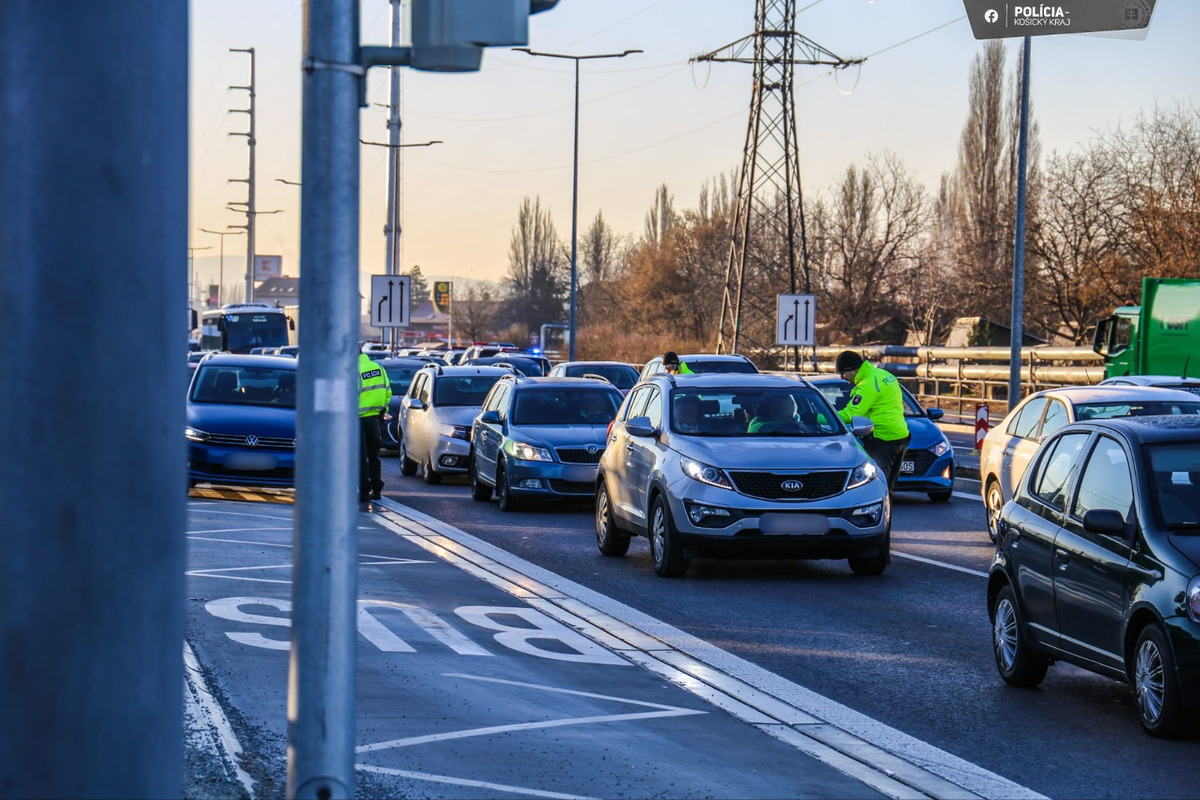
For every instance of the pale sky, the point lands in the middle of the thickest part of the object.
(645, 120)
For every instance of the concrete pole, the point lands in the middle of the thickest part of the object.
(92, 620)
(250, 207)
(393, 189)
(1018, 291)
(574, 221)
(321, 685)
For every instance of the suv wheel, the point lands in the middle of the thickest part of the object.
(428, 473)
(479, 490)
(1017, 663)
(503, 490)
(611, 540)
(665, 550)
(407, 465)
(993, 501)
(876, 564)
(1157, 684)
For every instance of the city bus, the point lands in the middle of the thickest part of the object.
(240, 327)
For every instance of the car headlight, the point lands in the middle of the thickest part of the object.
(196, 435)
(705, 473)
(527, 452)
(941, 448)
(456, 432)
(1193, 599)
(869, 514)
(863, 474)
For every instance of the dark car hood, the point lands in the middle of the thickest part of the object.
(1188, 544)
(259, 420)
(560, 435)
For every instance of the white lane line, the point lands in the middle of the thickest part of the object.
(937, 763)
(942, 564)
(966, 496)
(243, 514)
(498, 787)
(201, 701)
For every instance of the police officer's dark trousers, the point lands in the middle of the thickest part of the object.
(370, 473)
(887, 456)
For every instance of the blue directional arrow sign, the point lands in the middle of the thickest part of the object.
(390, 300)
(796, 319)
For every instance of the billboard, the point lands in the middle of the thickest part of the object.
(441, 296)
(267, 267)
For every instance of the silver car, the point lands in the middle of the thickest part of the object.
(740, 465)
(436, 415)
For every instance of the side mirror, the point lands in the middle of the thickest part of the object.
(491, 417)
(640, 426)
(1104, 520)
(413, 403)
(861, 426)
(935, 413)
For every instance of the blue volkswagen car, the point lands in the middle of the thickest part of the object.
(241, 421)
(928, 464)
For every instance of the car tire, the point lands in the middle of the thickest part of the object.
(941, 496)
(611, 540)
(1156, 683)
(429, 474)
(1016, 662)
(407, 465)
(993, 502)
(503, 490)
(480, 491)
(665, 551)
(876, 564)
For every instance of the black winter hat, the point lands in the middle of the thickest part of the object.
(669, 357)
(849, 361)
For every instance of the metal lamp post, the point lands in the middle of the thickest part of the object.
(574, 182)
(221, 279)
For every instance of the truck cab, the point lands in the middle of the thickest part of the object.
(1159, 337)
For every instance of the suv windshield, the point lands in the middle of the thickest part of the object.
(565, 406)
(1175, 476)
(799, 411)
(245, 385)
(467, 390)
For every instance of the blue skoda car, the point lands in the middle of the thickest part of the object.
(928, 464)
(241, 421)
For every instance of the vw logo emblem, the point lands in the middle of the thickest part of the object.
(592, 449)
(252, 441)
(791, 486)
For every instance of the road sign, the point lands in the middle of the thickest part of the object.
(267, 267)
(1001, 20)
(796, 319)
(390, 297)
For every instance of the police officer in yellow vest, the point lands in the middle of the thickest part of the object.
(374, 392)
(876, 396)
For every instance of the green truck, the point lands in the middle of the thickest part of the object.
(1159, 337)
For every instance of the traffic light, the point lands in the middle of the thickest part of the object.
(449, 35)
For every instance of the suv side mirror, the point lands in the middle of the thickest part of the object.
(490, 417)
(640, 426)
(861, 426)
(1104, 520)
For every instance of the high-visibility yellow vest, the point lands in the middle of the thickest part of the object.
(876, 396)
(374, 389)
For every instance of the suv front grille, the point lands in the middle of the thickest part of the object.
(769, 485)
(579, 455)
(239, 440)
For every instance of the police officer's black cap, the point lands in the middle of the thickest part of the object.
(670, 357)
(849, 361)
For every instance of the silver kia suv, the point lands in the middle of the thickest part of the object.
(742, 466)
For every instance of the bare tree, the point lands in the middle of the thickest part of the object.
(476, 310)
(660, 217)
(600, 252)
(537, 267)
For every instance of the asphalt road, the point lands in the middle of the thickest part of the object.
(911, 648)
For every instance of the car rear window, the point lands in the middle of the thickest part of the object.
(466, 390)
(565, 406)
(702, 365)
(622, 377)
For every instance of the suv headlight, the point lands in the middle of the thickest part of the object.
(705, 473)
(527, 452)
(456, 432)
(941, 448)
(862, 475)
(196, 435)
(1193, 599)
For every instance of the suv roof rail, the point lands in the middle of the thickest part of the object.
(596, 377)
(509, 365)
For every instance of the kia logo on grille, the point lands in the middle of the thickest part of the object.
(791, 486)
(592, 449)
(252, 441)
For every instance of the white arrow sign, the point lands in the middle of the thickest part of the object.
(389, 301)
(796, 319)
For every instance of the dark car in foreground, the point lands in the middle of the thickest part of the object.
(1098, 563)
(241, 421)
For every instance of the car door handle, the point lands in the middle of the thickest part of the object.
(1062, 558)
(629, 447)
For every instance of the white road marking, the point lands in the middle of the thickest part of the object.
(942, 564)
(201, 701)
(865, 748)
(223, 572)
(499, 787)
(244, 514)
(966, 496)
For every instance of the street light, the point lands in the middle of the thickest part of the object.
(221, 280)
(574, 180)
(192, 272)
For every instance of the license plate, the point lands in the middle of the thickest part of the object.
(250, 462)
(908, 466)
(772, 524)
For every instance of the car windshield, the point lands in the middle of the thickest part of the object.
(566, 406)
(798, 411)
(245, 331)
(703, 365)
(242, 385)
(1141, 408)
(462, 390)
(1175, 476)
(621, 376)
